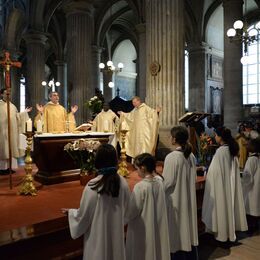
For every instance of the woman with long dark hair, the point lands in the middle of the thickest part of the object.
(179, 180)
(100, 217)
(223, 209)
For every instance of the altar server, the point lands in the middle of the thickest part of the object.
(179, 180)
(251, 179)
(100, 217)
(147, 233)
(223, 210)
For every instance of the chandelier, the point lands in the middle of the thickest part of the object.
(51, 84)
(241, 33)
(110, 69)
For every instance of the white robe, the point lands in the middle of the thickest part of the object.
(223, 209)
(143, 124)
(251, 185)
(17, 127)
(147, 233)
(180, 187)
(101, 219)
(107, 121)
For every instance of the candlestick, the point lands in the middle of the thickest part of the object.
(39, 126)
(29, 125)
(123, 165)
(105, 125)
(27, 186)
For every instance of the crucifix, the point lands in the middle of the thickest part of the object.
(7, 64)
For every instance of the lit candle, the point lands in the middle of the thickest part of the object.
(123, 125)
(105, 125)
(39, 126)
(29, 125)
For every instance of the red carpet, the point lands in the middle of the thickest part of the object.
(18, 211)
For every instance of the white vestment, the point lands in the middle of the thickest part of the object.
(251, 185)
(17, 121)
(107, 121)
(223, 209)
(101, 219)
(180, 188)
(147, 233)
(143, 127)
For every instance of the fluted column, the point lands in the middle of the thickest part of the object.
(96, 55)
(35, 74)
(79, 55)
(233, 10)
(62, 78)
(141, 62)
(197, 77)
(15, 81)
(165, 45)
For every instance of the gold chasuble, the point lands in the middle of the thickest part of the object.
(143, 124)
(56, 119)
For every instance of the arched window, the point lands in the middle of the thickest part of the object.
(251, 75)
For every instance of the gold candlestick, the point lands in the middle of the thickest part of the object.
(123, 165)
(27, 186)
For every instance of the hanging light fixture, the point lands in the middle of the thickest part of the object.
(241, 32)
(109, 68)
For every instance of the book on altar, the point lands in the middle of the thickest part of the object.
(84, 127)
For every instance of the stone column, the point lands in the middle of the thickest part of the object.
(141, 62)
(35, 74)
(15, 81)
(165, 45)
(62, 78)
(80, 27)
(197, 77)
(96, 54)
(233, 10)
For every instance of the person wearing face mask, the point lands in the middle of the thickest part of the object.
(54, 116)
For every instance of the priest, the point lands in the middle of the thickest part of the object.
(17, 121)
(54, 117)
(107, 121)
(143, 124)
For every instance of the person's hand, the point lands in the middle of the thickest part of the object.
(120, 112)
(74, 109)
(40, 108)
(65, 211)
(28, 109)
(90, 122)
(158, 109)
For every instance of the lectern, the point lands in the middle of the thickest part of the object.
(192, 121)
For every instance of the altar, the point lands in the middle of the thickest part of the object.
(53, 163)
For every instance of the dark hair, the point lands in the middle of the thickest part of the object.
(106, 157)
(181, 136)
(2, 91)
(227, 138)
(146, 160)
(254, 145)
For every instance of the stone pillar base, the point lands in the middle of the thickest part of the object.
(164, 145)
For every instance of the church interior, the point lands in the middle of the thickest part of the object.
(178, 55)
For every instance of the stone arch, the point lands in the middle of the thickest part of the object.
(16, 23)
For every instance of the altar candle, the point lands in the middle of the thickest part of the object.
(124, 125)
(29, 125)
(39, 126)
(105, 125)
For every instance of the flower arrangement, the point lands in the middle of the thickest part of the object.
(95, 104)
(204, 148)
(82, 151)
